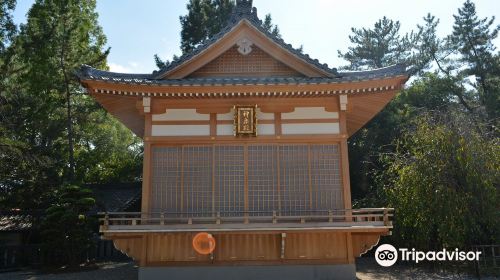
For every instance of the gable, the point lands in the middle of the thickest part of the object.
(256, 63)
(256, 38)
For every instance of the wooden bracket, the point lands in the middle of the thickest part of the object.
(146, 104)
(283, 238)
(343, 102)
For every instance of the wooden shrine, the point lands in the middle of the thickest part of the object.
(245, 141)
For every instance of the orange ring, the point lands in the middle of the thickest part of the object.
(204, 243)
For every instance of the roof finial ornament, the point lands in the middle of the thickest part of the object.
(244, 9)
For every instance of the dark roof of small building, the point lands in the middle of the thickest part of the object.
(14, 222)
(116, 197)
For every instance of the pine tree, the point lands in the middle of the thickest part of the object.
(378, 47)
(473, 39)
(269, 26)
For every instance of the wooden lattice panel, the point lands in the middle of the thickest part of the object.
(263, 195)
(230, 179)
(255, 64)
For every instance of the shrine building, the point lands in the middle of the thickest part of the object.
(246, 172)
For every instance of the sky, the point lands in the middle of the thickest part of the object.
(138, 29)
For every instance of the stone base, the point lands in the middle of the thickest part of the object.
(285, 272)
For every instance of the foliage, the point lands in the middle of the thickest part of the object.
(67, 228)
(61, 35)
(377, 47)
(58, 37)
(269, 26)
(7, 26)
(440, 81)
(206, 18)
(473, 39)
(443, 180)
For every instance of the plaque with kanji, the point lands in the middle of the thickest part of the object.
(245, 120)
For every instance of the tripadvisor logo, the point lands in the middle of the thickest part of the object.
(386, 255)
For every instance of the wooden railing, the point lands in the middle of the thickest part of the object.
(160, 220)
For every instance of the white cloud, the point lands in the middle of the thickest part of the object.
(114, 67)
(131, 67)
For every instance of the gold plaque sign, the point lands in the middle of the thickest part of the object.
(245, 120)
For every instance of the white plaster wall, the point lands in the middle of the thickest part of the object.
(310, 128)
(260, 116)
(309, 113)
(226, 117)
(181, 115)
(225, 129)
(180, 130)
(265, 129)
(264, 116)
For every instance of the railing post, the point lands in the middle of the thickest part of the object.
(330, 216)
(348, 215)
(246, 220)
(493, 256)
(386, 217)
(162, 218)
(217, 221)
(106, 220)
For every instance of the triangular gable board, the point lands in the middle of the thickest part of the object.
(248, 62)
(244, 33)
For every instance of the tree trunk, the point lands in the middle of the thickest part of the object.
(68, 108)
(70, 131)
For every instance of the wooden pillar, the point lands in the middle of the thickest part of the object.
(147, 166)
(344, 156)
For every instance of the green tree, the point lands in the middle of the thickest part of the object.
(443, 180)
(61, 35)
(473, 39)
(378, 47)
(204, 19)
(7, 26)
(67, 228)
(269, 26)
(34, 133)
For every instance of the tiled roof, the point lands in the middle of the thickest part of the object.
(115, 197)
(14, 222)
(89, 73)
(244, 11)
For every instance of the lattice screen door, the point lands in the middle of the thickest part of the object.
(258, 179)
